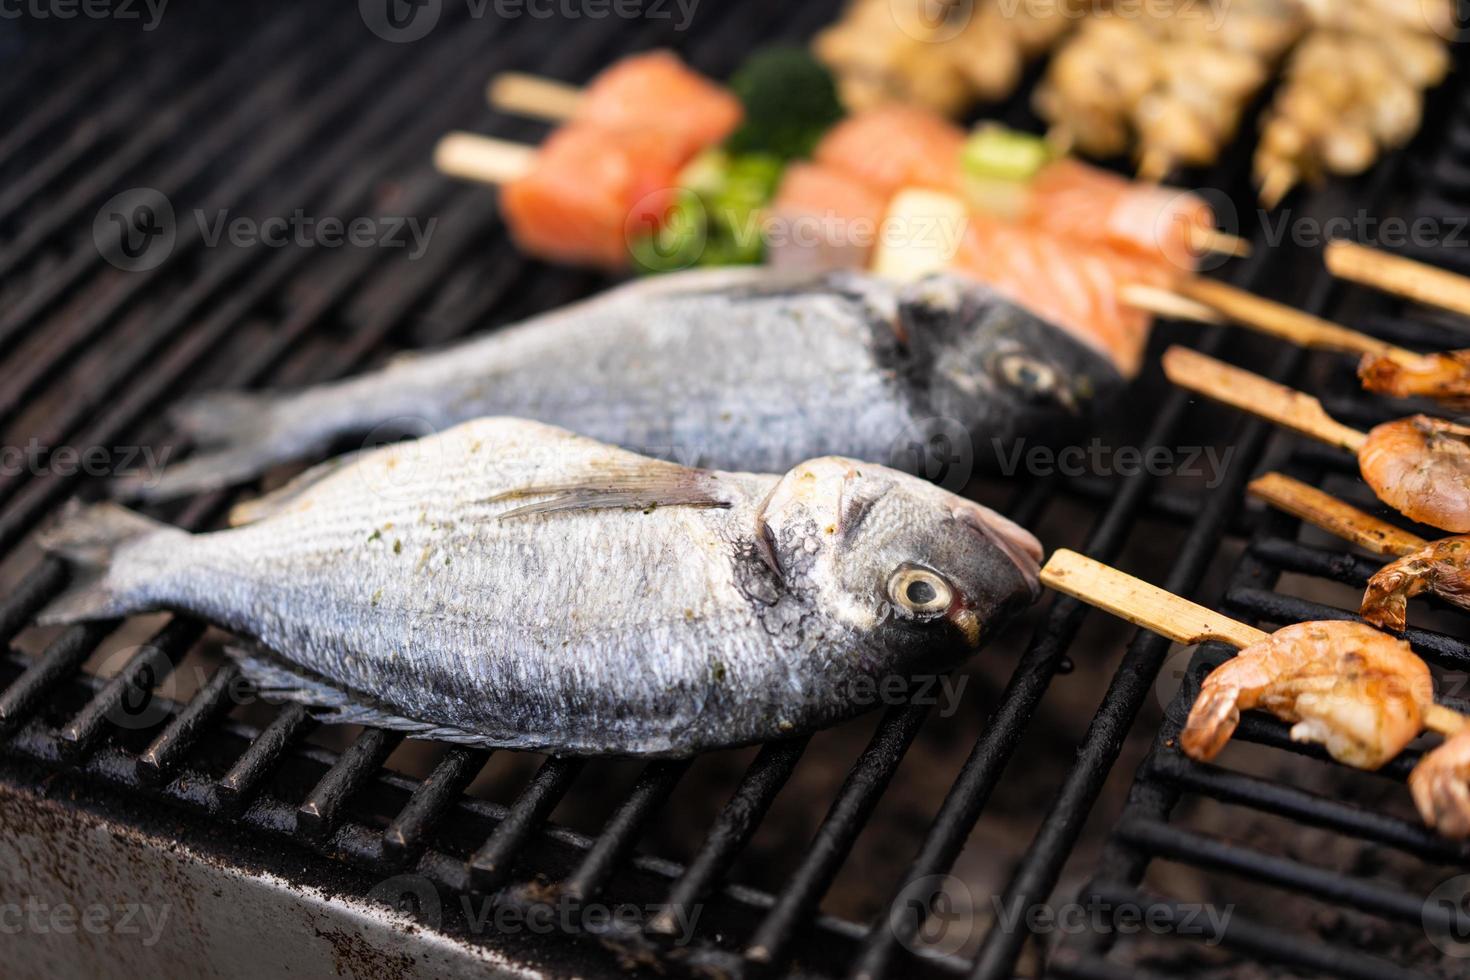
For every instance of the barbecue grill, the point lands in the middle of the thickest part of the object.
(138, 775)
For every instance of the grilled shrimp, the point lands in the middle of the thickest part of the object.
(1420, 466)
(1441, 787)
(1441, 567)
(1358, 692)
(1445, 377)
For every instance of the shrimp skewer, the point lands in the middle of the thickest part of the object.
(1360, 693)
(1441, 567)
(1420, 466)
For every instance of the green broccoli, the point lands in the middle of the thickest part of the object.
(790, 101)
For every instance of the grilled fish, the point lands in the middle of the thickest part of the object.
(738, 369)
(509, 583)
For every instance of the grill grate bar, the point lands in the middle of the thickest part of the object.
(33, 593)
(210, 703)
(431, 801)
(732, 830)
(59, 661)
(59, 106)
(1262, 941)
(144, 670)
(321, 812)
(1306, 807)
(1202, 850)
(260, 758)
(849, 812)
(490, 867)
(621, 831)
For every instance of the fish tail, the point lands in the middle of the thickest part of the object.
(239, 439)
(110, 573)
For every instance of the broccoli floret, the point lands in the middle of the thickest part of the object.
(790, 101)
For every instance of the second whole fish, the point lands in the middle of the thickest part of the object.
(741, 369)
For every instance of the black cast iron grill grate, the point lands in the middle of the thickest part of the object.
(266, 111)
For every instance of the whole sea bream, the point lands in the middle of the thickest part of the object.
(741, 369)
(509, 583)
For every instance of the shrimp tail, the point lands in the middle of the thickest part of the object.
(1386, 599)
(1212, 721)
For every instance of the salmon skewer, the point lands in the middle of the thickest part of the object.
(895, 146)
(1363, 695)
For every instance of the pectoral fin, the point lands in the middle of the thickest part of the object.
(634, 488)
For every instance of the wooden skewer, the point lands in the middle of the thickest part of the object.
(482, 158)
(534, 96)
(1332, 515)
(1182, 621)
(1400, 276)
(1254, 394)
(1285, 322)
(1142, 603)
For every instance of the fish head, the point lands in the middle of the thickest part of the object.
(895, 557)
(983, 358)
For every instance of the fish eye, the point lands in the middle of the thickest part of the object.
(1027, 373)
(919, 593)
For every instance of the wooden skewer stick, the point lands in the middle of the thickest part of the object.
(1332, 515)
(1182, 621)
(534, 96)
(482, 158)
(1285, 322)
(1142, 603)
(1254, 394)
(1400, 276)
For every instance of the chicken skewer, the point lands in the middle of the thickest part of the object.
(1420, 465)
(1363, 695)
(1441, 567)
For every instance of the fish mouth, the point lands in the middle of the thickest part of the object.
(1017, 543)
